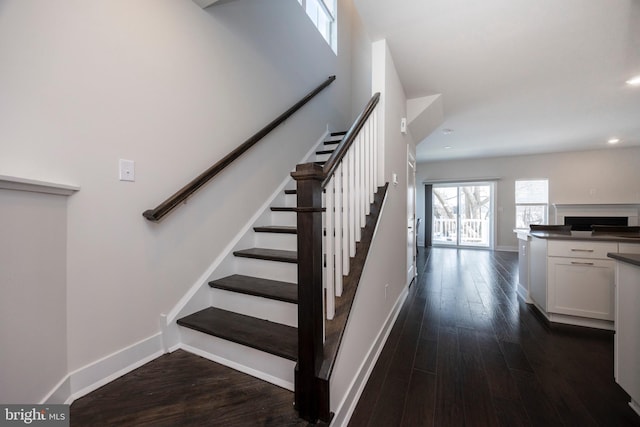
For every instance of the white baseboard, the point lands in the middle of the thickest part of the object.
(507, 248)
(580, 321)
(347, 406)
(524, 294)
(94, 375)
(575, 320)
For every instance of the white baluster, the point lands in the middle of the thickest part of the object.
(359, 208)
(372, 143)
(328, 250)
(367, 168)
(363, 191)
(353, 234)
(338, 230)
(345, 215)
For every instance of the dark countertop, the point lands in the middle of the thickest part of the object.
(588, 235)
(629, 258)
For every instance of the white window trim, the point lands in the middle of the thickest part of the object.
(332, 30)
(545, 206)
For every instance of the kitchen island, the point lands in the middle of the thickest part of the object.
(571, 278)
(627, 323)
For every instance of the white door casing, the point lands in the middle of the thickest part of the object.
(411, 217)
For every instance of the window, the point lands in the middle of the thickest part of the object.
(323, 14)
(532, 202)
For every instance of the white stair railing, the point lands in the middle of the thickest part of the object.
(349, 192)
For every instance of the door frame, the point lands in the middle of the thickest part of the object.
(412, 246)
(492, 221)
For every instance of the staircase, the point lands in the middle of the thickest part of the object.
(278, 303)
(252, 318)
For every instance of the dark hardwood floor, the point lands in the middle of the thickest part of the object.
(182, 389)
(466, 351)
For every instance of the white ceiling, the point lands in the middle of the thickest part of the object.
(516, 76)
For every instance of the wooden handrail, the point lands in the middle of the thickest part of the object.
(181, 195)
(342, 148)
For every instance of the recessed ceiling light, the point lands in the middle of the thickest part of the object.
(634, 81)
(447, 147)
(447, 131)
(613, 140)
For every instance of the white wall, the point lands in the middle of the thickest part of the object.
(33, 306)
(360, 65)
(387, 261)
(601, 176)
(174, 88)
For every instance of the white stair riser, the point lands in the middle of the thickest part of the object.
(261, 308)
(333, 138)
(274, 270)
(322, 157)
(283, 218)
(270, 368)
(290, 200)
(288, 242)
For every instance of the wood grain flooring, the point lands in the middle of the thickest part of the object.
(182, 389)
(466, 351)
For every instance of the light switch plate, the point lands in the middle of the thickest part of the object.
(403, 125)
(127, 170)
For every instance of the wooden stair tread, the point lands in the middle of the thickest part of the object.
(270, 337)
(268, 254)
(335, 138)
(281, 229)
(294, 191)
(256, 286)
(283, 209)
(321, 152)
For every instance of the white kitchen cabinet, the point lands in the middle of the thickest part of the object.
(581, 287)
(572, 280)
(581, 249)
(629, 248)
(580, 279)
(627, 337)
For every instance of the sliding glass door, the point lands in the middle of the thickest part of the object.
(462, 214)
